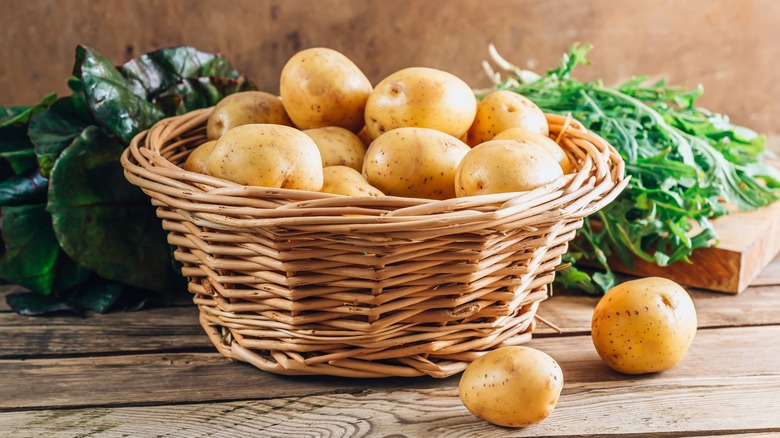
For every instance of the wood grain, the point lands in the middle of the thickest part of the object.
(726, 45)
(158, 379)
(653, 405)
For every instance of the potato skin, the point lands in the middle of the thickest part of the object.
(414, 162)
(546, 142)
(502, 110)
(268, 156)
(500, 166)
(512, 386)
(421, 97)
(343, 180)
(338, 147)
(644, 326)
(322, 87)
(244, 108)
(196, 161)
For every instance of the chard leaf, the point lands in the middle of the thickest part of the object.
(53, 130)
(31, 249)
(28, 188)
(102, 221)
(21, 115)
(153, 73)
(33, 304)
(191, 94)
(110, 97)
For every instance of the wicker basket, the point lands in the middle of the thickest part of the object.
(299, 282)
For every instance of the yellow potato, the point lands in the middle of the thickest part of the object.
(322, 87)
(338, 147)
(499, 166)
(196, 161)
(546, 142)
(502, 110)
(244, 108)
(512, 386)
(364, 136)
(421, 97)
(343, 180)
(644, 326)
(414, 162)
(268, 156)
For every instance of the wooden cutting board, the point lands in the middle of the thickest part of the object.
(748, 242)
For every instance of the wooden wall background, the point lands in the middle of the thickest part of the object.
(729, 46)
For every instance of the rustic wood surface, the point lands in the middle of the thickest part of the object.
(729, 46)
(153, 373)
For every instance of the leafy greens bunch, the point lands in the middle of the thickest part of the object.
(685, 164)
(74, 231)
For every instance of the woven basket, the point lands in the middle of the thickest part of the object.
(298, 282)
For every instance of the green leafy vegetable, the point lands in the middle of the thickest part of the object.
(99, 245)
(684, 161)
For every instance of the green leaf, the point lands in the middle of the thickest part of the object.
(16, 152)
(110, 98)
(155, 72)
(31, 248)
(102, 221)
(53, 130)
(29, 188)
(191, 94)
(22, 117)
(33, 304)
(98, 297)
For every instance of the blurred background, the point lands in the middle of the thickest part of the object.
(731, 47)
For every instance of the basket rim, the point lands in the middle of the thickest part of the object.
(599, 179)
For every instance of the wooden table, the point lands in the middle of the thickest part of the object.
(154, 373)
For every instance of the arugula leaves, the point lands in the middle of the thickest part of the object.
(74, 231)
(685, 163)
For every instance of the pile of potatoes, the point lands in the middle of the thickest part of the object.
(419, 133)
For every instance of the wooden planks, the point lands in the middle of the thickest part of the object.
(157, 379)
(707, 399)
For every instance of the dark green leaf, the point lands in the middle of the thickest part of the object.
(153, 73)
(102, 221)
(98, 297)
(31, 248)
(53, 130)
(9, 112)
(20, 118)
(32, 304)
(191, 94)
(29, 188)
(109, 97)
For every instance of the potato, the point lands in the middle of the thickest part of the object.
(343, 180)
(269, 156)
(414, 162)
(196, 161)
(244, 108)
(546, 142)
(421, 97)
(321, 87)
(644, 326)
(512, 386)
(338, 147)
(502, 110)
(499, 166)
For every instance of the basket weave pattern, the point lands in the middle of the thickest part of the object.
(298, 282)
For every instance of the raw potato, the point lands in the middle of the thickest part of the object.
(343, 180)
(321, 87)
(244, 108)
(546, 142)
(196, 161)
(421, 97)
(500, 166)
(338, 147)
(512, 386)
(269, 156)
(644, 326)
(502, 110)
(414, 162)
